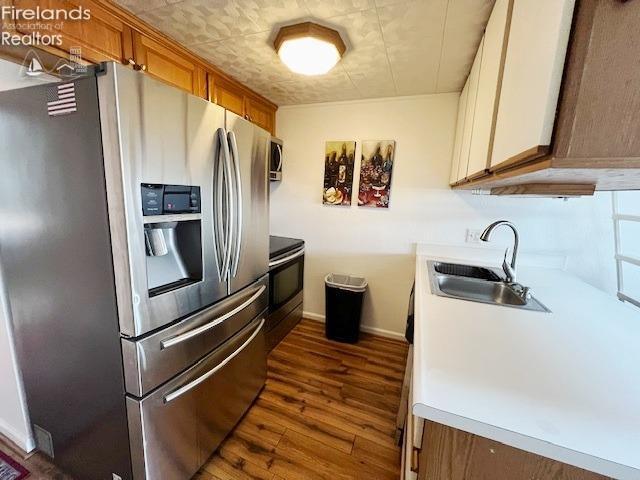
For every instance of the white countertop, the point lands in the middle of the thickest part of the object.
(565, 385)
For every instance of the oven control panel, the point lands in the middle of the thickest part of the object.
(158, 199)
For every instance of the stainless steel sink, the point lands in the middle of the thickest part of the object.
(470, 271)
(479, 288)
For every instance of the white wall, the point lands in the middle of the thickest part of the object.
(14, 420)
(378, 243)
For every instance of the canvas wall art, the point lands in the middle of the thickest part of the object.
(375, 173)
(339, 159)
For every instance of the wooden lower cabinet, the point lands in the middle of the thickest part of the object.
(451, 454)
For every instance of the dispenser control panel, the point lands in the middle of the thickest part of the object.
(160, 199)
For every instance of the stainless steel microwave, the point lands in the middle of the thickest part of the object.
(275, 169)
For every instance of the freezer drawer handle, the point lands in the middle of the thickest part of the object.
(169, 342)
(297, 254)
(194, 383)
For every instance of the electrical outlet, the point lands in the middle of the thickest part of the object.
(473, 235)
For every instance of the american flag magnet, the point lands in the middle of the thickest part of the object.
(65, 100)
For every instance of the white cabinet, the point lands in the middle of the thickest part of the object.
(537, 44)
(467, 128)
(486, 107)
(457, 146)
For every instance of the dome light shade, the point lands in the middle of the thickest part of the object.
(309, 48)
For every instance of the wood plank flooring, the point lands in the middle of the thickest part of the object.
(38, 464)
(327, 412)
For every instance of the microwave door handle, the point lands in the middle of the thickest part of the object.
(194, 383)
(183, 337)
(284, 260)
(229, 213)
(279, 148)
(233, 145)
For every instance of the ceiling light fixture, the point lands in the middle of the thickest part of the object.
(308, 48)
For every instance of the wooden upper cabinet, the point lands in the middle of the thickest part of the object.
(112, 33)
(102, 37)
(168, 65)
(537, 43)
(226, 94)
(596, 145)
(260, 113)
(599, 117)
(236, 99)
(489, 85)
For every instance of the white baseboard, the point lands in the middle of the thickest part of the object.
(364, 328)
(26, 444)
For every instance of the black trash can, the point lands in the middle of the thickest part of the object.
(343, 303)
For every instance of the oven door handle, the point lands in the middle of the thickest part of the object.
(170, 342)
(277, 263)
(169, 397)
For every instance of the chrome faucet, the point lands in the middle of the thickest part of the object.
(509, 268)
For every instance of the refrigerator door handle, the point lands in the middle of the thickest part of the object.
(169, 342)
(224, 216)
(238, 194)
(194, 383)
(218, 178)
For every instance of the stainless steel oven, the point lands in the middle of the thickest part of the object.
(286, 279)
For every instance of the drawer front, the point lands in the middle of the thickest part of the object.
(175, 429)
(154, 359)
(277, 332)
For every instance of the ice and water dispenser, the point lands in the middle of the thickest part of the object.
(173, 244)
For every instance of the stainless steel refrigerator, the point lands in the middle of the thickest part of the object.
(133, 258)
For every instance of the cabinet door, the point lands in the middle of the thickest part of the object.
(457, 146)
(467, 131)
(226, 94)
(534, 62)
(169, 65)
(260, 113)
(451, 454)
(102, 37)
(489, 82)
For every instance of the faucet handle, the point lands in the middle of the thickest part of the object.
(509, 272)
(523, 292)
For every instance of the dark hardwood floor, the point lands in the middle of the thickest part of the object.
(327, 412)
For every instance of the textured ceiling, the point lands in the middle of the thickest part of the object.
(394, 47)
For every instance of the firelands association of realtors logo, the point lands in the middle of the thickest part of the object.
(37, 26)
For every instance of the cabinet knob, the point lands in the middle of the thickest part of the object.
(137, 66)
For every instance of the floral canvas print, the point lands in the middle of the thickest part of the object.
(375, 173)
(339, 159)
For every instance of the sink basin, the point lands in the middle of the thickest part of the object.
(470, 271)
(478, 289)
(493, 292)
